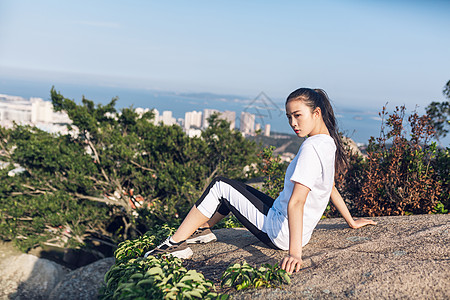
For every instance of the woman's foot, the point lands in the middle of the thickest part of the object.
(180, 250)
(202, 236)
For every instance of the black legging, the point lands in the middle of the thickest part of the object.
(259, 200)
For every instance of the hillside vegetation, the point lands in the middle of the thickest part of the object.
(116, 175)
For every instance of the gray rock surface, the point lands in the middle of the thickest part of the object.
(400, 258)
(404, 257)
(25, 276)
(82, 283)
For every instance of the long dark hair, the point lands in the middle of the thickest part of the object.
(314, 98)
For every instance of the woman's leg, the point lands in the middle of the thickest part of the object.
(192, 222)
(222, 196)
(249, 205)
(223, 210)
(214, 220)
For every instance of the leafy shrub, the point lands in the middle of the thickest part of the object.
(156, 278)
(245, 276)
(350, 183)
(116, 174)
(441, 166)
(133, 277)
(55, 218)
(131, 249)
(398, 177)
(273, 170)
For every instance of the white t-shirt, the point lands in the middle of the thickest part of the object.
(313, 166)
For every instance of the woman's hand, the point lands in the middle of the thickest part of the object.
(358, 223)
(291, 263)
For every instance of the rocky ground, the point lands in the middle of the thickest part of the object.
(400, 258)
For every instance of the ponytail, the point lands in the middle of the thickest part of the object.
(318, 98)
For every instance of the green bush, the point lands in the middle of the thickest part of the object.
(133, 277)
(244, 276)
(441, 166)
(115, 175)
(156, 278)
(273, 170)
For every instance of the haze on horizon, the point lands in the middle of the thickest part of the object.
(363, 53)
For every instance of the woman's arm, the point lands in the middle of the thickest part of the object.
(293, 261)
(337, 201)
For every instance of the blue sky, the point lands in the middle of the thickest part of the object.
(363, 53)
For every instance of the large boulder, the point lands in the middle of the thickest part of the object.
(82, 283)
(28, 277)
(402, 257)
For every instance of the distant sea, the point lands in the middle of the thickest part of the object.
(357, 123)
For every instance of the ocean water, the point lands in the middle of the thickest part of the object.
(357, 123)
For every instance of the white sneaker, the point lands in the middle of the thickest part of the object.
(202, 236)
(180, 250)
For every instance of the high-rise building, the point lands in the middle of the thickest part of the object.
(247, 123)
(41, 111)
(194, 132)
(229, 116)
(206, 114)
(141, 111)
(167, 118)
(34, 111)
(267, 130)
(156, 118)
(15, 109)
(193, 119)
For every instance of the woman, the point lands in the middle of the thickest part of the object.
(287, 222)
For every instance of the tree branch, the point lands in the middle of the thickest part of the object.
(35, 192)
(97, 199)
(97, 158)
(20, 219)
(142, 167)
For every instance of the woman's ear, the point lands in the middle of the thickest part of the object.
(317, 112)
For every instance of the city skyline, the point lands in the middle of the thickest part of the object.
(36, 111)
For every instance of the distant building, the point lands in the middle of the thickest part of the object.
(193, 119)
(141, 111)
(15, 109)
(156, 118)
(35, 112)
(192, 132)
(229, 116)
(257, 127)
(206, 114)
(167, 118)
(41, 111)
(247, 123)
(267, 130)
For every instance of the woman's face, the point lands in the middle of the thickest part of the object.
(300, 117)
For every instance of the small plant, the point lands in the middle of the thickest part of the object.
(273, 170)
(133, 277)
(156, 278)
(245, 276)
(440, 209)
(130, 249)
(404, 172)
